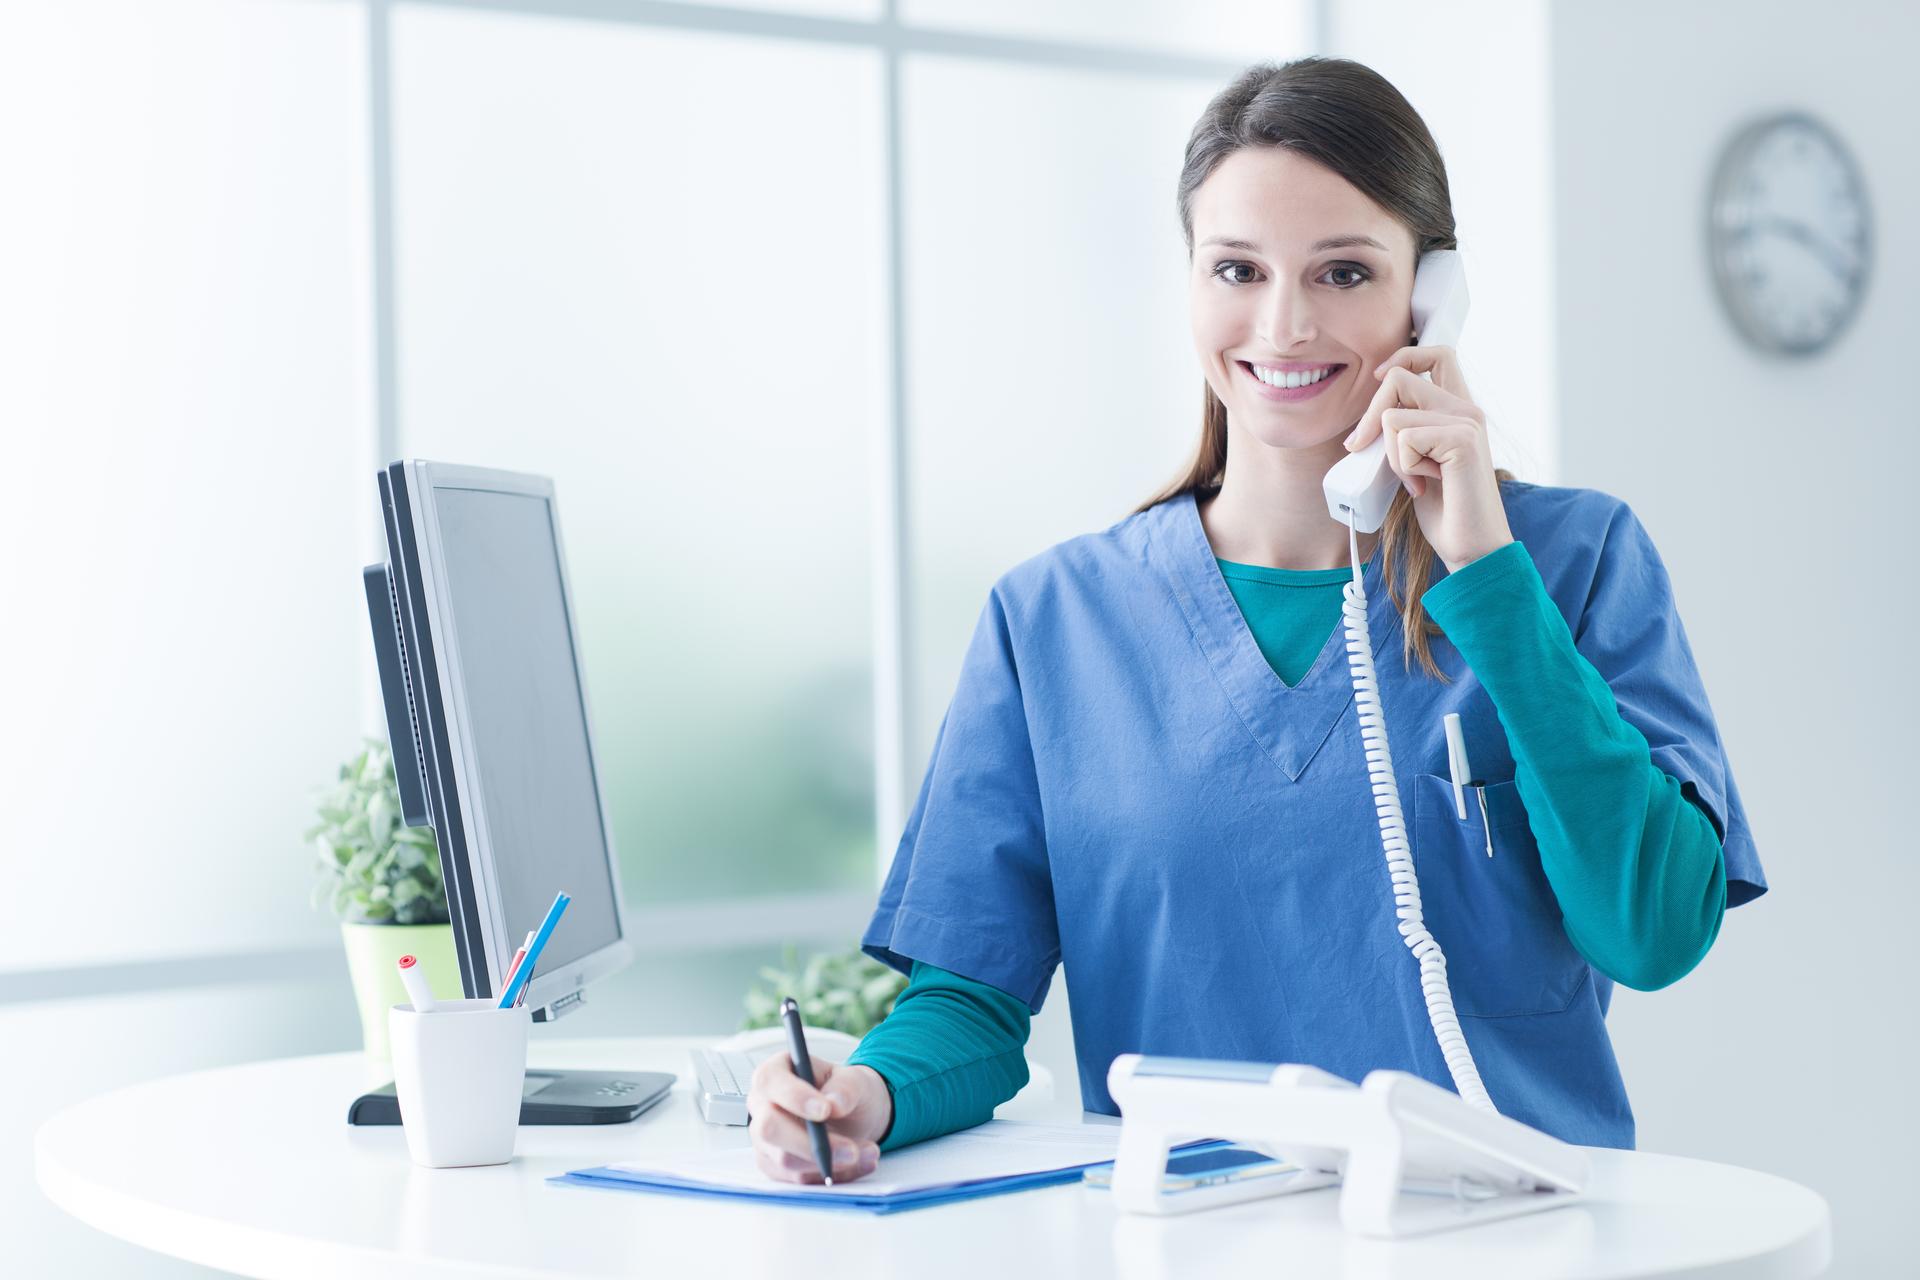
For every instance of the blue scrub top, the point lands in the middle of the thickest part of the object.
(1122, 785)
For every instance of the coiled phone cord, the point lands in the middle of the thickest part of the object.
(1393, 837)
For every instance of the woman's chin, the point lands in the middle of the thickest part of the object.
(1297, 435)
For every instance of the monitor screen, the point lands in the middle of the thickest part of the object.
(525, 719)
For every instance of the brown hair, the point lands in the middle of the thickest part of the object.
(1347, 117)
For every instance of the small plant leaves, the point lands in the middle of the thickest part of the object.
(847, 991)
(373, 869)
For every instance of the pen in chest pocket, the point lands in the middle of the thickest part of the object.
(1462, 773)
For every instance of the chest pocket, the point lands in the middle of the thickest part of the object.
(1496, 918)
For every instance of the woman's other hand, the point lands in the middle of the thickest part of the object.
(853, 1101)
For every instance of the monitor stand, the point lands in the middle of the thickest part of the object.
(550, 1097)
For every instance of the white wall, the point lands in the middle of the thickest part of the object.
(1788, 1049)
(183, 401)
(1785, 1050)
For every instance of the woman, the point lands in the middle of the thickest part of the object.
(1151, 770)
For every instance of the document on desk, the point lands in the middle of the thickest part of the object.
(1000, 1155)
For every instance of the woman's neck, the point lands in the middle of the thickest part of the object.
(1272, 508)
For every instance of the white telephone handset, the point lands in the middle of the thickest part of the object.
(1360, 487)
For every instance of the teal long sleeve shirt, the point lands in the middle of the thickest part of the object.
(1636, 868)
(951, 1051)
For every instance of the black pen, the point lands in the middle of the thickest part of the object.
(803, 1067)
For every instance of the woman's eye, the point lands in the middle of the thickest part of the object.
(1352, 276)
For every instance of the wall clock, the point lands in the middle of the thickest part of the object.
(1790, 234)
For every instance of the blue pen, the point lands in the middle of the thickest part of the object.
(525, 971)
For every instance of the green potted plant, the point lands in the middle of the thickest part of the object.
(382, 879)
(848, 991)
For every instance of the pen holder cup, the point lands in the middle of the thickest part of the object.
(459, 1071)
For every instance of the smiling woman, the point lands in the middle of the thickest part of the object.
(1152, 772)
(1288, 331)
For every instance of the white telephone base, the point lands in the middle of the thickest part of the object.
(1409, 1157)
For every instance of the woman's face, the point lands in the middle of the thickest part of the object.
(1284, 299)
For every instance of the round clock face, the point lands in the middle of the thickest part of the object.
(1791, 234)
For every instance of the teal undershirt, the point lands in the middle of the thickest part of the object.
(1642, 889)
(1291, 612)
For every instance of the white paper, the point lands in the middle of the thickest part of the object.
(996, 1149)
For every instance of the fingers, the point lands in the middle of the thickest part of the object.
(1443, 362)
(1425, 443)
(779, 1103)
(774, 1080)
(838, 1086)
(1410, 443)
(1405, 462)
(1369, 425)
(785, 1166)
(1401, 387)
(782, 1149)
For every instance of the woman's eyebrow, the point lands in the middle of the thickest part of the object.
(1337, 242)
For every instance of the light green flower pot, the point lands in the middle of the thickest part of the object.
(373, 953)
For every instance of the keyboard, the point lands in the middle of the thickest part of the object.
(724, 1072)
(722, 1077)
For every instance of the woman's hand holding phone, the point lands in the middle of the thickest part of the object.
(853, 1102)
(1435, 432)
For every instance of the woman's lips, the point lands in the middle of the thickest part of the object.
(1289, 395)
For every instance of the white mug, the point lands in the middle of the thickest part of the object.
(459, 1070)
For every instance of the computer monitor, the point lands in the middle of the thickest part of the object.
(487, 714)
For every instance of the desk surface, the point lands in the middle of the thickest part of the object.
(253, 1169)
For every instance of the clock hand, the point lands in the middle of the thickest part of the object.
(1835, 259)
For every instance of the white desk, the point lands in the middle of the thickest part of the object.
(254, 1169)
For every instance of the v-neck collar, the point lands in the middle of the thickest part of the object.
(1290, 723)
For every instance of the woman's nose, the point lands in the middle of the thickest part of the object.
(1287, 317)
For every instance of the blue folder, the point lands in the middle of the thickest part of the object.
(893, 1203)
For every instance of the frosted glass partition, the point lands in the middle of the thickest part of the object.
(1248, 30)
(184, 411)
(861, 10)
(649, 264)
(1051, 368)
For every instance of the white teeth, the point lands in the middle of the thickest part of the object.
(1273, 379)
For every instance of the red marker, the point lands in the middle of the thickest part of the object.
(514, 966)
(414, 979)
